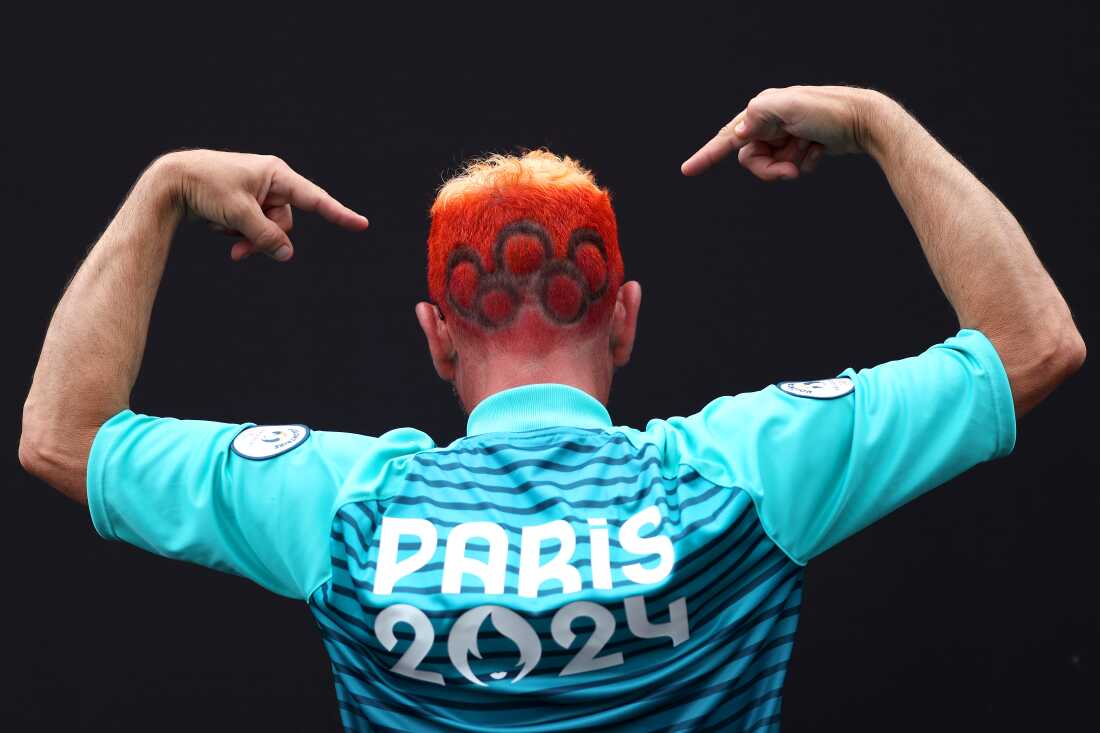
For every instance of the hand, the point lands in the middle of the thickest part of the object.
(782, 133)
(249, 197)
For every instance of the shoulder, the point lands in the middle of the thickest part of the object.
(721, 437)
(301, 458)
(295, 442)
(732, 414)
(390, 445)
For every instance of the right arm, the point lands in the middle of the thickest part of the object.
(94, 344)
(976, 249)
(184, 488)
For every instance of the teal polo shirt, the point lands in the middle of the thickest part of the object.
(551, 570)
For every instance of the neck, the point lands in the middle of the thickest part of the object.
(487, 374)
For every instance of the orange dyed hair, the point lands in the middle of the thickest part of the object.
(533, 229)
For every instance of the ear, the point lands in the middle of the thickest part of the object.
(440, 344)
(624, 321)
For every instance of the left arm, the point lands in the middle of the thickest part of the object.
(976, 249)
(96, 338)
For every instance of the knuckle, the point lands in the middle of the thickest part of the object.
(269, 239)
(273, 165)
(237, 209)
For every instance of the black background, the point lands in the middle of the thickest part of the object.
(974, 607)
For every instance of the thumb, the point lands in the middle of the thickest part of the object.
(265, 235)
(762, 118)
(743, 126)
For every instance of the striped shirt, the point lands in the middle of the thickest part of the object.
(550, 570)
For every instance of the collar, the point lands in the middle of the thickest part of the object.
(534, 406)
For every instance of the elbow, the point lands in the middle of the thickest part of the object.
(29, 457)
(32, 454)
(1079, 353)
(1039, 364)
(36, 455)
(1056, 358)
(43, 454)
(1069, 356)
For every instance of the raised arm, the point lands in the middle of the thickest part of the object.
(978, 253)
(94, 344)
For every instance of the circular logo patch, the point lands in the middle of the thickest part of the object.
(267, 441)
(819, 389)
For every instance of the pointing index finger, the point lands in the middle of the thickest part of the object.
(718, 147)
(304, 194)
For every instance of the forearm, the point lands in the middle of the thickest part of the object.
(94, 344)
(978, 253)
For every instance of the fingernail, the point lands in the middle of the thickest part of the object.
(739, 128)
(283, 253)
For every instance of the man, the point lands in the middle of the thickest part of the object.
(550, 570)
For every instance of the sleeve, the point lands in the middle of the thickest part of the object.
(820, 470)
(186, 489)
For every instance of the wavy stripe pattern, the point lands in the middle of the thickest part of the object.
(741, 593)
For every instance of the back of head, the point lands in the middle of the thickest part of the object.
(523, 251)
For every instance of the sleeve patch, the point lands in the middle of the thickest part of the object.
(262, 442)
(819, 389)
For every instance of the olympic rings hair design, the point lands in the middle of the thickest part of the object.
(524, 264)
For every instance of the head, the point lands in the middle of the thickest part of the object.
(526, 279)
